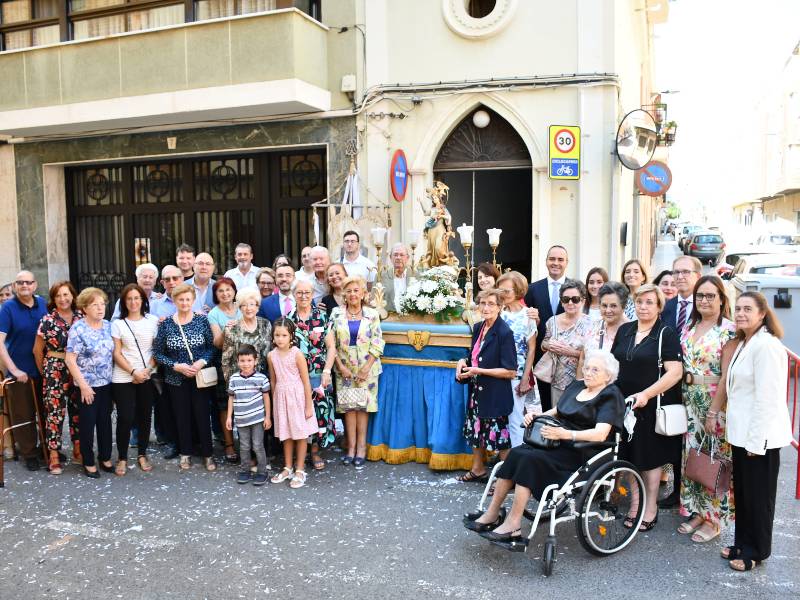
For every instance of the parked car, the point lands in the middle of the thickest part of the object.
(776, 239)
(732, 255)
(782, 293)
(708, 246)
(755, 265)
(685, 232)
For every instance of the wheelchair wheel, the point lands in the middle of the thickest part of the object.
(549, 556)
(614, 491)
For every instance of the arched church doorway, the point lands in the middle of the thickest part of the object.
(489, 172)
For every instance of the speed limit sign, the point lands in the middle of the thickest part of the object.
(564, 141)
(565, 152)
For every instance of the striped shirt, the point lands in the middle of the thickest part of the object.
(248, 399)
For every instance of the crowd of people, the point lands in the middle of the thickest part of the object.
(275, 353)
(675, 341)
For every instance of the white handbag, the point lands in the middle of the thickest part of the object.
(205, 377)
(670, 419)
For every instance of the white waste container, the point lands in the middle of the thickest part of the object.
(783, 295)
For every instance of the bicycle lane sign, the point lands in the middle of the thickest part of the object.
(565, 152)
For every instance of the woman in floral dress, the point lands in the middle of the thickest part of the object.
(708, 330)
(310, 336)
(59, 391)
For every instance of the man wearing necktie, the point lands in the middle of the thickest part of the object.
(686, 270)
(281, 304)
(544, 296)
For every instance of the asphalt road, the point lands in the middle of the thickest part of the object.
(385, 532)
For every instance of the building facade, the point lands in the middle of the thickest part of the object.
(127, 129)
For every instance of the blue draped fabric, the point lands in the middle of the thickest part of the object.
(421, 410)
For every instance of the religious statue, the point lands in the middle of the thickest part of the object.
(438, 230)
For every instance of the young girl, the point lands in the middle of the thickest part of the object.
(294, 418)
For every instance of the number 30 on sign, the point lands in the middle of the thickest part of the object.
(565, 152)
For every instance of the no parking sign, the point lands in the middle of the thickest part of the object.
(398, 175)
(565, 152)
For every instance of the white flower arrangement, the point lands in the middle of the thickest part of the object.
(434, 292)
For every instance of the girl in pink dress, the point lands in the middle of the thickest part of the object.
(294, 419)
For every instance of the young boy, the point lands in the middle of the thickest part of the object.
(248, 404)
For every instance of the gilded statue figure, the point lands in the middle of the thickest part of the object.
(438, 230)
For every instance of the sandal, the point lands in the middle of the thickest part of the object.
(232, 457)
(55, 464)
(286, 473)
(730, 552)
(702, 535)
(648, 525)
(209, 463)
(317, 462)
(299, 480)
(121, 468)
(186, 463)
(472, 476)
(747, 564)
(144, 463)
(686, 527)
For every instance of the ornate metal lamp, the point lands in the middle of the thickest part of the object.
(413, 239)
(465, 233)
(494, 242)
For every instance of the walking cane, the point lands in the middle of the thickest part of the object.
(7, 407)
(39, 423)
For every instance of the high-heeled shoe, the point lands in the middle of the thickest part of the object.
(92, 474)
(648, 525)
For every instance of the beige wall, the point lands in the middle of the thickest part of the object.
(780, 214)
(9, 257)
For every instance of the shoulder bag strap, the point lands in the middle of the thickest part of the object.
(660, 365)
(183, 335)
(602, 334)
(144, 362)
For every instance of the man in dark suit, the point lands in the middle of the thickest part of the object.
(686, 270)
(544, 296)
(281, 304)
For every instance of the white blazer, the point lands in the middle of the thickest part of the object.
(757, 415)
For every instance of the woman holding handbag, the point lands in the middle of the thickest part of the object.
(491, 366)
(758, 426)
(708, 330)
(650, 370)
(184, 345)
(564, 338)
(133, 390)
(355, 333)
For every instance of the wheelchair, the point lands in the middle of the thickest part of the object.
(598, 497)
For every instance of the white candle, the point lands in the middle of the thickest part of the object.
(413, 236)
(494, 236)
(378, 235)
(465, 233)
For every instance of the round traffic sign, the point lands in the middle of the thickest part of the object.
(398, 175)
(654, 179)
(564, 140)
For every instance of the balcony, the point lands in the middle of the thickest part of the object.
(236, 67)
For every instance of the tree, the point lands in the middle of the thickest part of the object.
(673, 211)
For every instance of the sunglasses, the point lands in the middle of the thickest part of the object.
(24, 282)
(573, 299)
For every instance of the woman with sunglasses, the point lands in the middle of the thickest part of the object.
(565, 334)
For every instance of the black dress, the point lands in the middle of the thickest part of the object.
(330, 303)
(536, 468)
(638, 370)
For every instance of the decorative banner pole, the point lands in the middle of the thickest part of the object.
(378, 299)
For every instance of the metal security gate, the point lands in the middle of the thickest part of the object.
(123, 215)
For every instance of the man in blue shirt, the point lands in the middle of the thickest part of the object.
(203, 283)
(170, 278)
(19, 322)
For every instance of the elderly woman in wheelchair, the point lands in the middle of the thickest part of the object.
(583, 467)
